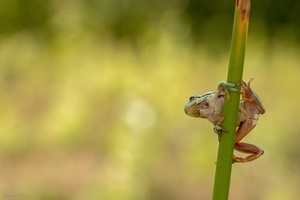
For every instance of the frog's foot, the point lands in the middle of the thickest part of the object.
(224, 86)
(236, 159)
(249, 81)
(240, 159)
(218, 128)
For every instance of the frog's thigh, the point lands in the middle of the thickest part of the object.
(245, 128)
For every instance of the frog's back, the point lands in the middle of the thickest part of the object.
(260, 106)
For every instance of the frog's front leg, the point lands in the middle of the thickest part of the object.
(218, 128)
(242, 131)
(226, 87)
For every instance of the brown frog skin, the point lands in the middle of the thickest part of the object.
(210, 106)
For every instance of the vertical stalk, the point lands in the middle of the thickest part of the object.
(230, 112)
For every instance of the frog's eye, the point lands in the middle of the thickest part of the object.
(192, 97)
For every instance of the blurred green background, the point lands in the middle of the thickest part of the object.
(92, 97)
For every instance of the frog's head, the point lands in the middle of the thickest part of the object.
(198, 105)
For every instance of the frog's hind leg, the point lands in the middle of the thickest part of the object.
(255, 152)
(242, 131)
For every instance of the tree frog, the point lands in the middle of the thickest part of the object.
(210, 106)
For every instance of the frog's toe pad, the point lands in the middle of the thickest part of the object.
(219, 129)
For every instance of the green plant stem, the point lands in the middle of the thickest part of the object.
(230, 112)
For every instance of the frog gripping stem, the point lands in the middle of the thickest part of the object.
(218, 129)
(226, 87)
